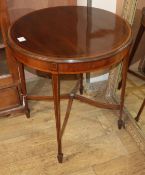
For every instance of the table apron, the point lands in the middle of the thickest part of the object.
(70, 68)
(92, 66)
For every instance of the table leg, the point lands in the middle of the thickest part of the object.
(81, 84)
(70, 102)
(88, 77)
(124, 77)
(56, 95)
(140, 111)
(23, 88)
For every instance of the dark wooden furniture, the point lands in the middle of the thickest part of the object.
(133, 51)
(10, 86)
(136, 44)
(140, 111)
(56, 41)
(11, 100)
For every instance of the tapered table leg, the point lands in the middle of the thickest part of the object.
(88, 76)
(140, 111)
(56, 94)
(23, 88)
(124, 77)
(81, 84)
(70, 102)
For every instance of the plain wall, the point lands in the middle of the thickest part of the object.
(109, 5)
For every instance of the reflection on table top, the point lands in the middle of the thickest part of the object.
(71, 33)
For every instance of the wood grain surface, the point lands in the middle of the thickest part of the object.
(29, 146)
(58, 35)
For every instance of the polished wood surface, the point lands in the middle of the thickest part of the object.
(10, 10)
(71, 40)
(58, 37)
(8, 89)
(11, 100)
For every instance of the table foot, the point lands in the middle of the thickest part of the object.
(81, 91)
(136, 119)
(27, 113)
(121, 124)
(60, 157)
(125, 62)
(81, 84)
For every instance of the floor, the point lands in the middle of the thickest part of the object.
(92, 143)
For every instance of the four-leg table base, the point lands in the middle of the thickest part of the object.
(71, 97)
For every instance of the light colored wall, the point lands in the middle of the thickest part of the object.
(109, 5)
(119, 6)
(105, 4)
(82, 2)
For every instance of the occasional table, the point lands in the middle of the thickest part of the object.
(70, 40)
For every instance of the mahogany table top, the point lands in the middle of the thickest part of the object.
(70, 34)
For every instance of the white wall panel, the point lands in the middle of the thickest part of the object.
(105, 4)
(82, 2)
(109, 5)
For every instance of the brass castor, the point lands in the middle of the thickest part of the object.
(121, 124)
(60, 157)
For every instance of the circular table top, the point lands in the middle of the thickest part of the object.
(70, 34)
